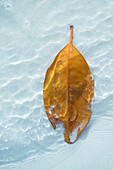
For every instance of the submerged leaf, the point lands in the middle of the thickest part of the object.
(68, 91)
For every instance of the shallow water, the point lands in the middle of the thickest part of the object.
(31, 34)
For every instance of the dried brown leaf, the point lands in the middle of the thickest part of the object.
(68, 91)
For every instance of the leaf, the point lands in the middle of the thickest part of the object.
(68, 91)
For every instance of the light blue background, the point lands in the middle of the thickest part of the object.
(32, 32)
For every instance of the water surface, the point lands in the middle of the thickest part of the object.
(31, 34)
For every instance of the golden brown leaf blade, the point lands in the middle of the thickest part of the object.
(68, 91)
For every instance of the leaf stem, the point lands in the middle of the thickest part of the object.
(71, 34)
